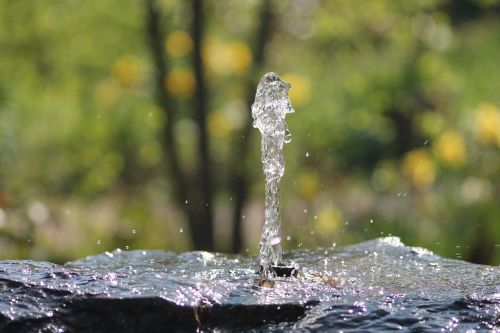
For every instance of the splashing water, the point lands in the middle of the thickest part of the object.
(268, 111)
(376, 286)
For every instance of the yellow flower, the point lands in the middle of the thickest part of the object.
(216, 57)
(328, 221)
(219, 126)
(419, 168)
(180, 82)
(307, 185)
(178, 44)
(299, 91)
(487, 124)
(207, 49)
(450, 148)
(225, 59)
(241, 57)
(127, 71)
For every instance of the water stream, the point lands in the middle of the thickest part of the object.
(268, 111)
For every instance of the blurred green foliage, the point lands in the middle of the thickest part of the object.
(396, 130)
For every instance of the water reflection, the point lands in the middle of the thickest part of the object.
(371, 286)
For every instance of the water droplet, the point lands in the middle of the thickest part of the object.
(275, 240)
(288, 137)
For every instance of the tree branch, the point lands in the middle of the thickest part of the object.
(155, 38)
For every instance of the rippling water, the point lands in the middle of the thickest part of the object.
(373, 286)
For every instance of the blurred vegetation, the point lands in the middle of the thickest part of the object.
(396, 130)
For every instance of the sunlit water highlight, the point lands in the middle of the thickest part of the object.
(269, 110)
(374, 286)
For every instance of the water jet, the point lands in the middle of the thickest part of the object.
(268, 111)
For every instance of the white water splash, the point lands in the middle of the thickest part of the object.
(268, 111)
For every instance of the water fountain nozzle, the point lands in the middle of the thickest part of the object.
(287, 269)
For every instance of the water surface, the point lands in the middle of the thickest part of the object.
(373, 286)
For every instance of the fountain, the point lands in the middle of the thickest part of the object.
(378, 285)
(269, 110)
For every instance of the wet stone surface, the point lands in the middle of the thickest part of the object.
(373, 286)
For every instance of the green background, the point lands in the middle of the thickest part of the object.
(396, 129)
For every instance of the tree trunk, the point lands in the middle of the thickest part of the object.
(202, 226)
(194, 197)
(159, 59)
(239, 183)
